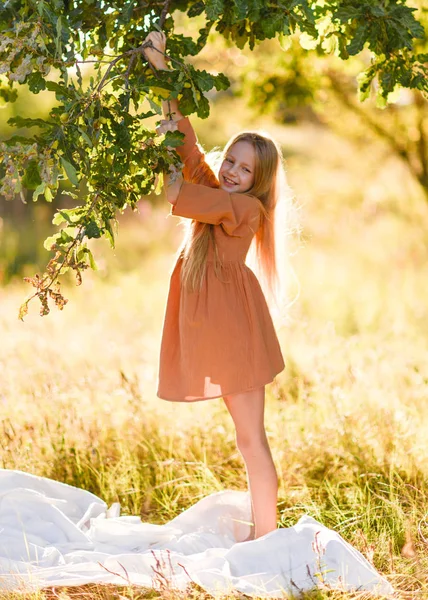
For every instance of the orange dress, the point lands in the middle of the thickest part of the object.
(220, 340)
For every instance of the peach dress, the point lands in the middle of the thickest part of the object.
(220, 340)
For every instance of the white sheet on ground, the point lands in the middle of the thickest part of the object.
(54, 534)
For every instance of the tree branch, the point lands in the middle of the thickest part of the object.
(399, 148)
(164, 13)
(43, 285)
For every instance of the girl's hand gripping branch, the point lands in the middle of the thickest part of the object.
(156, 57)
(156, 54)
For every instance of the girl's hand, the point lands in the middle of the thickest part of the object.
(166, 125)
(156, 56)
(173, 181)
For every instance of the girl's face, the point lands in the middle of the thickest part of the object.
(237, 169)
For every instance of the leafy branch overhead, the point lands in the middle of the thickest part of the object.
(97, 137)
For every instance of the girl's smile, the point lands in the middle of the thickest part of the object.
(237, 170)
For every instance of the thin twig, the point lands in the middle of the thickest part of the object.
(128, 581)
(164, 13)
(84, 62)
(56, 273)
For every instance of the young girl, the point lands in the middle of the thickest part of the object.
(218, 337)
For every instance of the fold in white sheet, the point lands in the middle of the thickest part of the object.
(54, 534)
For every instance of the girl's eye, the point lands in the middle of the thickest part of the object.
(229, 160)
(248, 170)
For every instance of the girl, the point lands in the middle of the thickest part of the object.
(218, 337)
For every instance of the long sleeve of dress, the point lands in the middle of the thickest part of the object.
(200, 197)
(196, 169)
(235, 212)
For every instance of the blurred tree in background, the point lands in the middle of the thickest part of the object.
(297, 82)
(97, 143)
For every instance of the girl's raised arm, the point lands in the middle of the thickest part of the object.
(156, 57)
(196, 169)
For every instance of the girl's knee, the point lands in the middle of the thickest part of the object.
(251, 443)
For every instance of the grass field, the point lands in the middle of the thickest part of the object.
(347, 419)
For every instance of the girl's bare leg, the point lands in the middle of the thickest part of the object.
(247, 411)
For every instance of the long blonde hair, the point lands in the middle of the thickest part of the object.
(269, 178)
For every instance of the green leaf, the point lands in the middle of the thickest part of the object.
(18, 139)
(70, 171)
(381, 101)
(203, 80)
(59, 218)
(61, 238)
(154, 106)
(85, 253)
(158, 184)
(68, 215)
(187, 103)
(8, 94)
(275, 22)
(341, 48)
(346, 13)
(253, 9)
(213, 9)
(358, 41)
(92, 262)
(109, 232)
(240, 38)
(79, 75)
(36, 82)
(31, 178)
(92, 230)
(126, 12)
(364, 80)
(285, 41)
(48, 194)
(221, 82)
(203, 110)
(67, 235)
(60, 90)
(196, 9)
(40, 189)
(173, 139)
(403, 16)
(387, 82)
(123, 138)
(50, 241)
(72, 195)
(27, 122)
(85, 136)
(377, 11)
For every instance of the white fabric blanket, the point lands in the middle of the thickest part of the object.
(54, 534)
